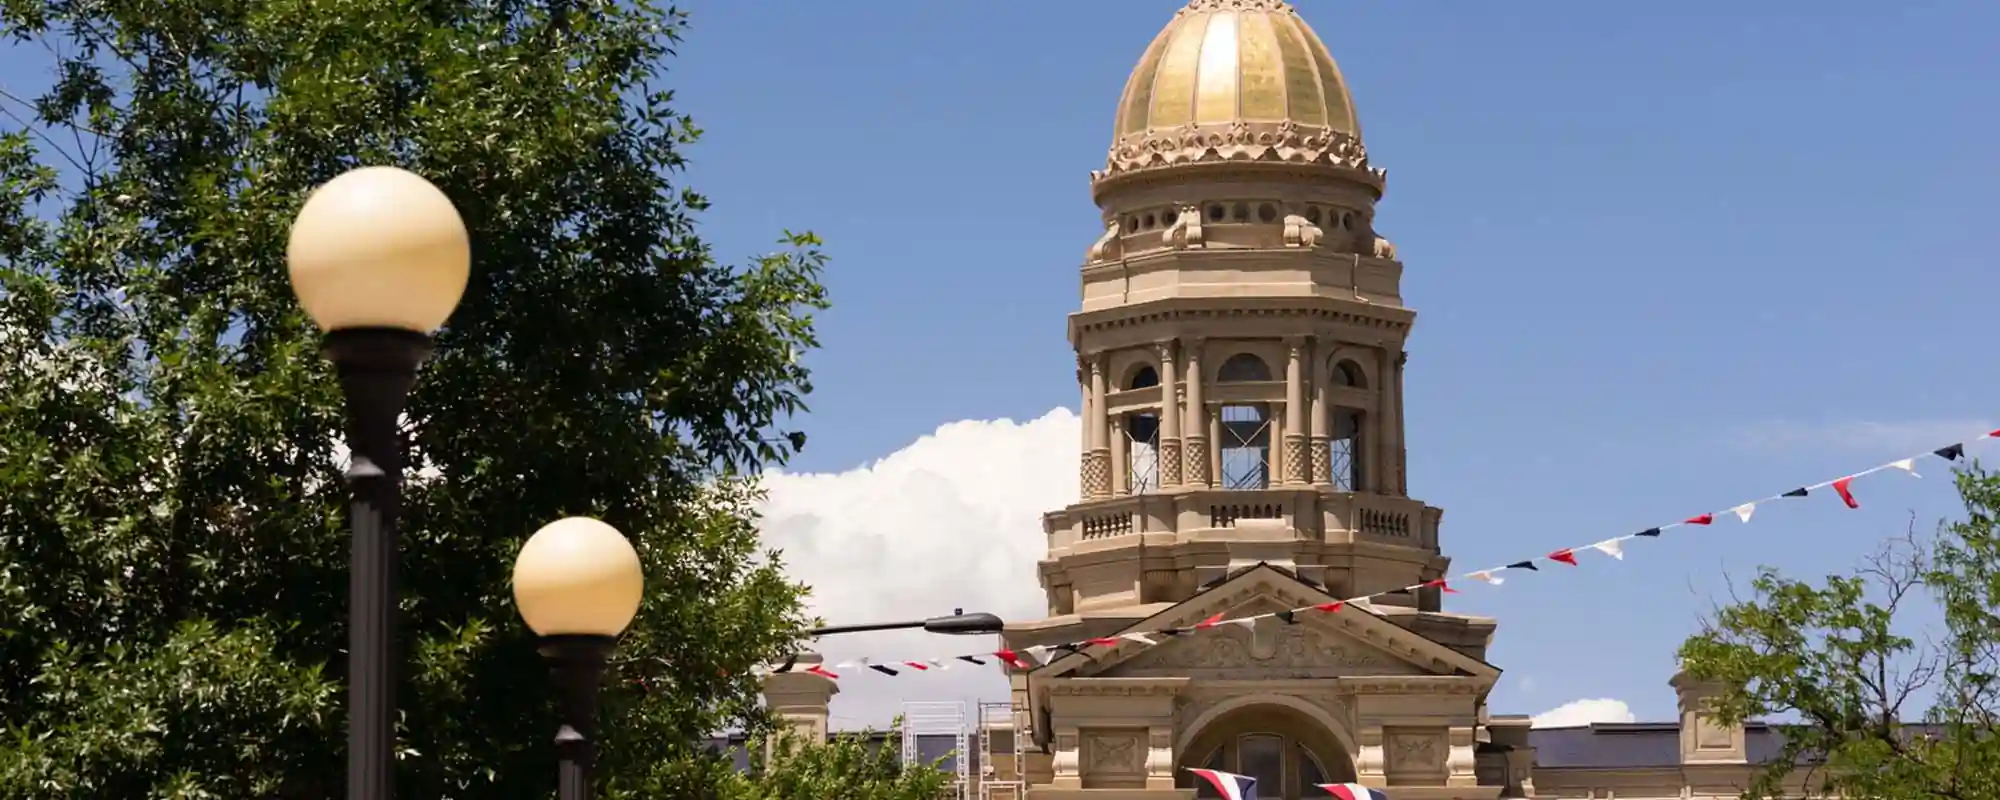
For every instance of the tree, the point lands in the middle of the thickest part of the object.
(172, 522)
(853, 766)
(1841, 664)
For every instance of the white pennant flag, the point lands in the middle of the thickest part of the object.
(1039, 653)
(1246, 623)
(1488, 576)
(1744, 511)
(1364, 603)
(851, 664)
(938, 664)
(1908, 465)
(1610, 547)
(1140, 638)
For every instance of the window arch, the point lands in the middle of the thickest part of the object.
(1347, 373)
(1144, 376)
(1243, 367)
(1344, 446)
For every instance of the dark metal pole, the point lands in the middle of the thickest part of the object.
(832, 630)
(377, 368)
(576, 663)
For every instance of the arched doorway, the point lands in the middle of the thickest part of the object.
(1287, 752)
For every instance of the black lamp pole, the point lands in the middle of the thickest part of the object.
(576, 663)
(377, 367)
(958, 623)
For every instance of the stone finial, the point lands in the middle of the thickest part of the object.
(1706, 739)
(802, 699)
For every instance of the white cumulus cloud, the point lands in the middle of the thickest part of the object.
(951, 521)
(1584, 712)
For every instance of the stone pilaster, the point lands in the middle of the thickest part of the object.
(801, 699)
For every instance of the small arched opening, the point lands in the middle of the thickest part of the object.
(1344, 431)
(1288, 752)
(1245, 444)
(1142, 438)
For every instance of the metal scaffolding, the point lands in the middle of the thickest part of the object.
(938, 719)
(998, 779)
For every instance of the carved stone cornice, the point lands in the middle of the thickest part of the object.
(1115, 687)
(1414, 684)
(1391, 320)
(1237, 5)
(1283, 142)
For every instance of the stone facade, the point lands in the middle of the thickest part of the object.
(1241, 345)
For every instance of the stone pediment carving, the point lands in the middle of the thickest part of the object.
(1273, 650)
(1345, 643)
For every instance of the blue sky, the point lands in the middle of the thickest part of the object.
(1667, 257)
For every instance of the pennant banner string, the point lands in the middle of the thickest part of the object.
(1043, 654)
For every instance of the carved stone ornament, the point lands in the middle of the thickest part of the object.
(1237, 5)
(1382, 249)
(1286, 651)
(1186, 231)
(1415, 752)
(1196, 459)
(1170, 462)
(1284, 142)
(1113, 754)
(1097, 474)
(1107, 247)
(1300, 232)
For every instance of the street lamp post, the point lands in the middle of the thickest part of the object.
(577, 583)
(379, 259)
(957, 623)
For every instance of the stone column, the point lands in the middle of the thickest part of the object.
(1160, 757)
(1371, 767)
(1170, 418)
(1121, 457)
(1317, 440)
(1097, 472)
(1401, 450)
(1067, 764)
(1197, 435)
(1295, 412)
(1083, 417)
(801, 699)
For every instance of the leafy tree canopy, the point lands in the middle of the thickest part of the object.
(173, 548)
(1888, 677)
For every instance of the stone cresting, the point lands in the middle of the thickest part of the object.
(1284, 142)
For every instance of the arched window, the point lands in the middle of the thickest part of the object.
(1142, 438)
(1348, 373)
(1243, 367)
(1284, 768)
(1245, 448)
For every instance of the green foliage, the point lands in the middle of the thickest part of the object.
(173, 555)
(1836, 657)
(853, 766)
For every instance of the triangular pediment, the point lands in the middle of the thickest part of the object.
(1349, 642)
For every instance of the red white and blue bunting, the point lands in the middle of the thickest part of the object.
(1841, 488)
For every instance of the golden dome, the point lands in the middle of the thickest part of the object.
(1236, 80)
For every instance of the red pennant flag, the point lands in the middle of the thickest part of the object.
(1564, 556)
(1333, 606)
(917, 665)
(823, 672)
(1844, 487)
(1704, 519)
(1441, 585)
(1106, 641)
(1993, 435)
(1209, 623)
(1013, 658)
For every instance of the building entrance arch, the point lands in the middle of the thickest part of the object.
(1286, 744)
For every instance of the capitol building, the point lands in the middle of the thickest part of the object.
(1240, 347)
